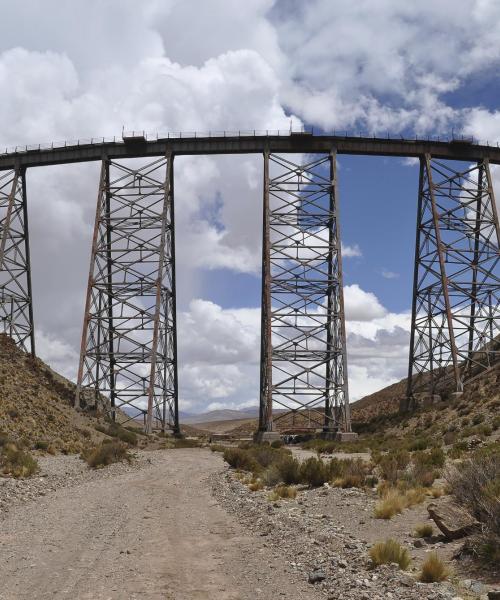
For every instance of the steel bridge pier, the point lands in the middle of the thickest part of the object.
(303, 342)
(129, 340)
(16, 298)
(456, 291)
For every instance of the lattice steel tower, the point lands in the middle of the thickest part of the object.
(129, 345)
(456, 299)
(16, 306)
(303, 353)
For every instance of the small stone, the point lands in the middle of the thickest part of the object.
(418, 543)
(316, 576)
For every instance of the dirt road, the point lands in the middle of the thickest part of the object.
(156, 533)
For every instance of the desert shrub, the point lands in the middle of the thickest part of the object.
(388, 552)
(457, 450)
(495, 424)
(13, 413)
(129, 437)
(475, 484)
(41, 445)
(433, 569)
(419, 444)
(449, 438)
(272, 476)
(185, 443)
(107, 454)
(289, 468)
(4, 439)
(238, 458)
(392, 463)
(314, 472)
(17, 462)
(478, 418)
(423, 531)
(217, 447)
(276, 444)
(352, 472)
(283, 491)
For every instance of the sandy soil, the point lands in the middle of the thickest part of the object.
(151, 533)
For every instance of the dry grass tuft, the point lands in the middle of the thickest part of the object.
(385, 553)
(281, 492)
(392, 503)
(433, 569)
(424, 531)
(107, 454)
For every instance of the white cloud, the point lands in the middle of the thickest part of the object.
(353, 251)
(185, 65)
(386, 274)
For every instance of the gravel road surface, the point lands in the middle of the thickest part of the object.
(150, 532)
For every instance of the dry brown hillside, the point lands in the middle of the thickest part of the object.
(35, 404)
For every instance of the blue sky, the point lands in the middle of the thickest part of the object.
(425, 68)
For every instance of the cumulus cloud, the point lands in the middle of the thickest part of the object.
(258, 65)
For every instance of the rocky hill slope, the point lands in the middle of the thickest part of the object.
(36, 404)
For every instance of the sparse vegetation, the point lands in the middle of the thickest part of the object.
(283, 492)
(16, 462)
(388, 552)
(314, 472)
(117, 431)
(106, 454)
(433, 569)
(475, 484)
(395, 500)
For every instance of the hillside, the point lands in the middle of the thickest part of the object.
(36, 404)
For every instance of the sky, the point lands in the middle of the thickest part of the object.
(81, 68)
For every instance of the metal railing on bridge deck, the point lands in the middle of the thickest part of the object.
(138, 136)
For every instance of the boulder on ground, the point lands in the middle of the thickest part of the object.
(452, 520)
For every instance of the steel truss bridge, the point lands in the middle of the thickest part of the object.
(129, 340)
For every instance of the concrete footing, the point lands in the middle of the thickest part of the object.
(261, 437)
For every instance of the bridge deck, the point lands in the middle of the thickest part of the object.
(34, 156)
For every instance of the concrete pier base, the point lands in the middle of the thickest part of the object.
(262, 437)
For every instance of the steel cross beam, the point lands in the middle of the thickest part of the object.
(456, 298)
(303, 352)
(16, 306)
(129, 340)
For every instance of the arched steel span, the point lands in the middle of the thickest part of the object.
(129, 340)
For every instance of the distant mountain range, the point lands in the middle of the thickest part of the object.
(225, 414)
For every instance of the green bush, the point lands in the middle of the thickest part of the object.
(314, 472)
(129, 437)
(238, 458)
(185, 443)
(107, 454)
(41, 445)
(475, 484)
(277, 444)
(289, 468)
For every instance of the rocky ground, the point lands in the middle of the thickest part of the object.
(325, 534)
(178, 524)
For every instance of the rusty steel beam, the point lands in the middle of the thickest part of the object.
(456, 297)
(247, 144)
(303, 356)
(16, 302)
(128, 359)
